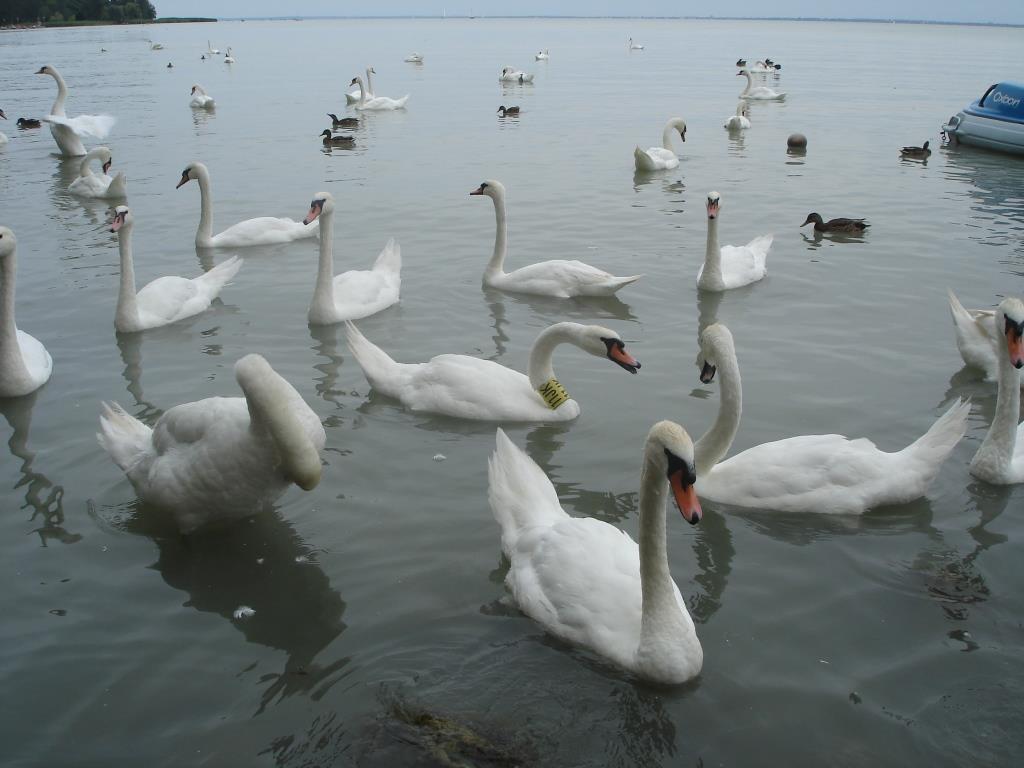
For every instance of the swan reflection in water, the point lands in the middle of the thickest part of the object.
(45, 499)
(327, 344)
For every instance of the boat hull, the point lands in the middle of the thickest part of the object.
(995, 121)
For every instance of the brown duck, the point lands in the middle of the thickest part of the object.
(505, 111)
(836, 225)
(29, 122)
(343, 122)
(916, 151)
(335, 141)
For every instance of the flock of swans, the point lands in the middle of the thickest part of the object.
(221, 459)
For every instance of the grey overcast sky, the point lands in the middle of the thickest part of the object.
(999, 11)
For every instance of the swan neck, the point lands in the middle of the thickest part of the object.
(1000, 443)
(369, 80)
(127, 305)
(496, 266)
(11, 362)
(713, 253)
(712, 447)
(323, 294)
(540, 368)
(750, 83)
(83, 168)
(204, 234)
(666, 137)
(62, 94)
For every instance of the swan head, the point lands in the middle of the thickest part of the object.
(356, 81)
(2, 114)
(191, 173)
(670, 449)
(716, 345)
(604, 342)
(713, 204)
(493, 189)
(46, 70)
(7, 242)
(1010, 320)
(122, 220)
(197, 89)
(813, 217)
(323, 202)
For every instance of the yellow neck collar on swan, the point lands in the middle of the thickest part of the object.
(553, 393)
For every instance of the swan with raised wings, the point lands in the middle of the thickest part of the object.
(586, 581)
(977, 337)
(560, 278)
(377, 103)
(200, 98)
(739, 121)
(470, 388)
(1000, 459)
(661, 158)
(811, 473)
(165, 300)
(759, 92)
(264, 230)
(25, 365)
(222, 458)
(358, 292)
(89, 184)
(354, 96)
(730, 266)
(68, 132)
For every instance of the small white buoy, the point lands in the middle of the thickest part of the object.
(439, 457)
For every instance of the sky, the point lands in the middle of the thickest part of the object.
(999, 11)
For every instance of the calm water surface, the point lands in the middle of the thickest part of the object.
(892, 638)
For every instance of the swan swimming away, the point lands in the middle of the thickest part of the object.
(89, 184)
(200, 98)
(760, 92)
(470, 388)
(265, 230)
(353, 97)
(25, 365)
(977, 337)
(68, 132)
(586, 581)
(829, 474)
(661, 158)
(634, 46)
(559, 278)
(165, 300)
(377, 102)
(228, 58)
(739, 121)
(359, 292)
(511, 75)
(730, 266)
(1000, 459)
(222, 458)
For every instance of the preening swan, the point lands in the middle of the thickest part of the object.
(542, 55)
(358, 292)
(810, 473)
(469, 388)
(89, 184)
(353, 97)
(165, 300)
(739, 121)
(68, 132)
(977, 338)
(25, 365)
(377, 102)
(1000, 459)
(760, 92)
(200, 98)
(664, 157)
(512, 75)
(265, 230)
(586, 581)
(730, 266)
(559, 278)
(221, 458)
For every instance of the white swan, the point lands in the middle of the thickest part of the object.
(512, 75)
(542, 55)
(1000, 459)
(470, 388)
(412, 58)
(586, 581)
(810, 473)
(977, 337)
(3, 136)
(377, 102)
(730, 266)
(358, 292)
(211, 50)
(740, 120)
(68, 132)
(634, 46)
(265, 230)
(559, 278)
(228, 58)
(760, 92)
(200, 98)
(25, 365)
(89, 184)
(354, 96)
(221, 458)
(664, 157)
(165, 300)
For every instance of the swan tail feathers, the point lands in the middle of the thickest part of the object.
(383, 373)
(271, 402)
(123, 436)
(520, 494)
(390, 259)
(618, 283)
(935, 445)
(214, 280)
(119, 186)
(642, 160)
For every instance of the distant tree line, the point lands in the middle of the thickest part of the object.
(114, 11)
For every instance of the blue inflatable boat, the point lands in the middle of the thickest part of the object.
(995, 121)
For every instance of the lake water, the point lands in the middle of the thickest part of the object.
(893, 638)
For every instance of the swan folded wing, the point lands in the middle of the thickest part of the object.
(37, 360)
(745, 264)
(264, 230)
(95, 126)
(360, 293)
(191, 423)
(471, 388)
(561, 278)
(383, 102)
(976, 336)
(663, 159)
(167, 299)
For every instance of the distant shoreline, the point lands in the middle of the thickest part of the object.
(98, 23)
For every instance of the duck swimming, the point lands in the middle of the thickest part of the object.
(343, 122)
(922, 151)
(835, 225)
(29, 122)
(506, 111)
(331, 140)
